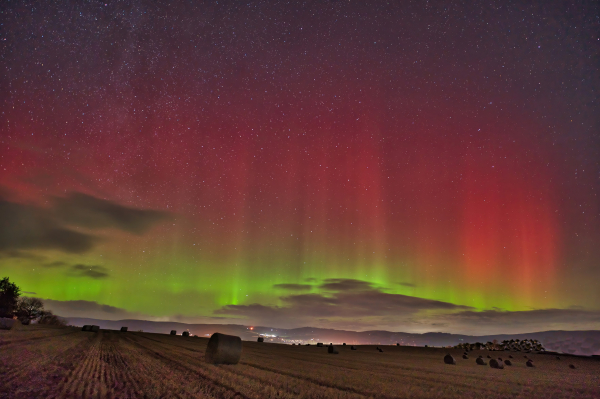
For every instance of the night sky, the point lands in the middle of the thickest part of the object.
(411, 167)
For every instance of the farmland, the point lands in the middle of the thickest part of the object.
(46, 362)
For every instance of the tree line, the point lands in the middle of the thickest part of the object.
(25, 309)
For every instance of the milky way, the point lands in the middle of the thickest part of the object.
(282, 163)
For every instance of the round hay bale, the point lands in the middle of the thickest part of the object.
(319, 344)
(95, 329)
(332, 349)
(124, 329)
(489, 357)
(572, 366)
(448, 359)
(510, 356)
(9, 324)
(344, 344)
(529, 363)
(508, 362)
(86, 327)
(397, 344)
(480, 361)
(185, 334)
(465, 357)
(173, 332)
(260, 339)
(223, 349)
(352, 348)
(380, 350)
(495, 364)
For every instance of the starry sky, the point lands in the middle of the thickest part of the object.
(413, 166)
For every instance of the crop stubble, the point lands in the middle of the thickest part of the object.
(68, 363)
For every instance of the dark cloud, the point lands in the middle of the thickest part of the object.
(293, 287)
(89, 309)
(341, 284)
(95, 272)
(30, 227)
(95, 213)
(343, 299)
(408, 285)
(310, 279)
(14, 254)
(55, 264)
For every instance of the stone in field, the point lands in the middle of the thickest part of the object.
(8, 324)
(173, 332)
(185, 334)
(260, 339)
(495, 364)
(571, 366)
(529, 363)
(95, 329)
(448, 359)
(480, 361)
(508, 362)
(332, 349)
(223, 349)
(123, 329)
(465, 357)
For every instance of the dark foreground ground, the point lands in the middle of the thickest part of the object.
(67, 363)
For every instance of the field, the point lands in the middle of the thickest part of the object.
(43, 362)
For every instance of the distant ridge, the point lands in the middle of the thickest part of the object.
(584, 343)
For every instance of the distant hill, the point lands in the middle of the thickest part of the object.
(574, 342)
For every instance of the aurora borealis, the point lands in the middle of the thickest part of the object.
(412, 167)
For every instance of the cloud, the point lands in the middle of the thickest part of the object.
(95, 213)
(408, 285)
(341, 284)
(342, 301)
(30, 227)
(293, 287)
(29, 292)
(14, 254)
(57, 263)
(95, 272)
(90, 309)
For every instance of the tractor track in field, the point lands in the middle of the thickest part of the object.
(301, 379)
(5, 343)
(185, 368)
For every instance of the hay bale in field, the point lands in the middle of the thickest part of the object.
(465, 357)
(480, 361)
(9, 324)
(86, 327)
(489, 357)
(173, 332)
(495, 364)
(319, 344)
(508, 362)
(572, 366)
(397, 344)
(510, 356)
(123, 329)
(377, 348)
(223, 349)
(529, 363)
(344, 344)
(557, 357)
(448, 359)
(380, 350)
(95, 329)
(260, 339)
(332, 349)
(352, 348)
(185, 334)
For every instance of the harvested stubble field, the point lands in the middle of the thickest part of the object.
(68, 363)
